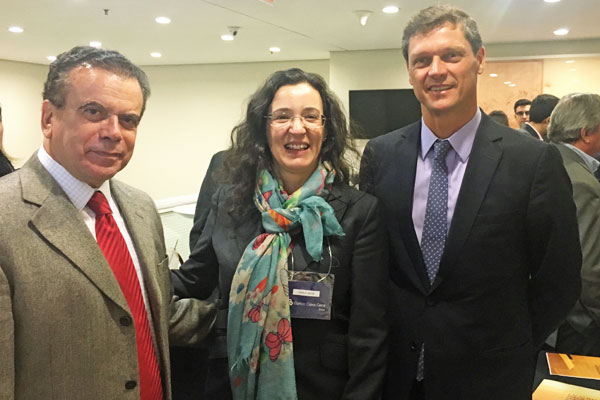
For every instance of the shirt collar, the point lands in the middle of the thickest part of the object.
(535, 130)
(461, 140)
(590, 161)
(77, 191)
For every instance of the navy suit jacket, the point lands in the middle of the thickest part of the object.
(509, 273)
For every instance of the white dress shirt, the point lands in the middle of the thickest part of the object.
(80, 193)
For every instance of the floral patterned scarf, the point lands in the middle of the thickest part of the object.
(259, 333)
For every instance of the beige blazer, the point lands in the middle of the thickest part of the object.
(585, 316)
(61, 308)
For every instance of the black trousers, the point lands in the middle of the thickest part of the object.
(418, 390)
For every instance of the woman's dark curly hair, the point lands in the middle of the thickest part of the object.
(249, 152)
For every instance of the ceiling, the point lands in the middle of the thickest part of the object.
(303, 29)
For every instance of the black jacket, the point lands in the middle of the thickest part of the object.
(508, 275)
(343, 358)
(5, 165)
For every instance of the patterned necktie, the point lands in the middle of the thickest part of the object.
(435, 226)
(115, 250)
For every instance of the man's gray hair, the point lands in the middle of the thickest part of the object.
(574, 112)
(57, 82)
(435, 16)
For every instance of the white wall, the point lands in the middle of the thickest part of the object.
(188, 118)
(193, 107)
(363, 70)
(21, 87)
(366, 70)
(562, 78)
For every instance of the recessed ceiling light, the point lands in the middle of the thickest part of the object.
(561, 32)
(507, 82)
(551, 1)
(570, 61)
(512, 85)
(96, 44)
(51, 58)
(156, 54)
(363, 16)
(163, 20)
(15, 29)
(233, 31)
(494, 75)
(390, 9)
(274, 49)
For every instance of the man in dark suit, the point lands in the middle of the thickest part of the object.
(575, 128)
(485, 253)
(539, 116)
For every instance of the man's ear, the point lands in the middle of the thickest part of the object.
(48, 111)
(584, 135)
(480, 56)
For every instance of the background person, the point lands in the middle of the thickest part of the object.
(539, 116)
(521, 108)
(287, 192)
(575, 128)
(6, 166)
(500, 117)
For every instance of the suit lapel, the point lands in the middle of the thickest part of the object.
(141, 232)
(483, 161)
(338, 202)
(60, 223)
(246, 231)
(139, 229)
(404, 165)
(135, 213)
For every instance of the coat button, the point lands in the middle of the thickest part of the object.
(413, 346)
(430, 302)
(125, 321)
(129, 385)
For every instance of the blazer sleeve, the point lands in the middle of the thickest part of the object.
(368, 167)
(587, 200)
(368, 329)
(7, 341)
(199, 275)
(553, 243)
(207, 190)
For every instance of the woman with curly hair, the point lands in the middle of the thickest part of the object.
(298, 256)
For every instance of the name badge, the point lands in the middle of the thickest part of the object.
(310, 294)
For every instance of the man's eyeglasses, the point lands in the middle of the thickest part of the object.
(522, 113)
(282, 120)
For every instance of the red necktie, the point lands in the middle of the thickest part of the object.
(115, 250)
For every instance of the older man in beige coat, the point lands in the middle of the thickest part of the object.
(575, 128)
(67, 325)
